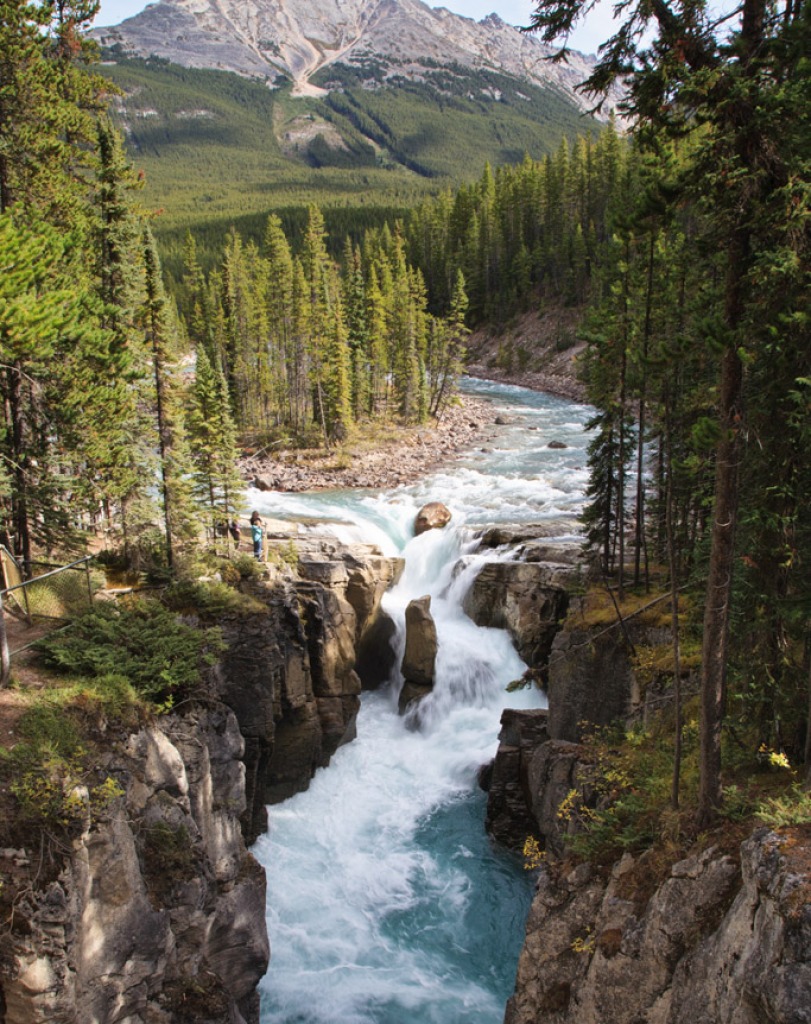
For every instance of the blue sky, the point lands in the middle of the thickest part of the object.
(586, 37)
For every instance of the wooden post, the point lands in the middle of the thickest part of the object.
(5, 657)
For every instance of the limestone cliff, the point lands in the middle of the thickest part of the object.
(289, 669)
(158, 908)
(153, 912)
(719, 941)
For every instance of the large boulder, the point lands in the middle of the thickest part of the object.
(432, 516)
(419, 659)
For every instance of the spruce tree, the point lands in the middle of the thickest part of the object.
(178, 509)
(213, 442)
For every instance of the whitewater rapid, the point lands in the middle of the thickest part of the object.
(386, 902)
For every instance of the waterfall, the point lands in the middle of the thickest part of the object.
(386, 902)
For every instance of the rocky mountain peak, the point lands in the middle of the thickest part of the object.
(294, 39)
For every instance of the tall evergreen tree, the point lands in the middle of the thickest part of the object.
(212, 434)
(178, 511)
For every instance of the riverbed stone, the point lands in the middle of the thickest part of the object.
(432, 516)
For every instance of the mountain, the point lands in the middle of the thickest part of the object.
(236, 108)
(278, 40)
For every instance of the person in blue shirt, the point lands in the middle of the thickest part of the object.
(256, 534)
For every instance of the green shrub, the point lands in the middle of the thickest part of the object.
(208, 599)
(247, 566)
(49, 771)
(143, 642)
(794, 808)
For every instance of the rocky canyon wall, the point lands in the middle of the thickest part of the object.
(154, 913)
(722, 936)
(158, 909)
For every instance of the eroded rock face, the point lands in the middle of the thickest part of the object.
(529, 600)
(717, 940)
(157, 916)
(715, 944)
(592, 676)
(159, 898)
(432, 516)
(509, 819)
(289, 672)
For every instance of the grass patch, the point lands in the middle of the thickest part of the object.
(651, 608)
(51, 770)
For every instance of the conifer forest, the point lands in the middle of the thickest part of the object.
(679, 234)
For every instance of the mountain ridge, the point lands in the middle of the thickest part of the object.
(294, 40)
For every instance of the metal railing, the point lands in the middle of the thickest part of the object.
(58, 594)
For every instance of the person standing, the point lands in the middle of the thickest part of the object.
(233, 529)
(256, 533)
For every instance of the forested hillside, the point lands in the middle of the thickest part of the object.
(218, 149)
(121, 409)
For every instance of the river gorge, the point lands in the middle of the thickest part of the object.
(299, 797)
(387, 903)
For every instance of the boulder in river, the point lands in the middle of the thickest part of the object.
(432, 516)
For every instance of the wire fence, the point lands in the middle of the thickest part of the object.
(54, 594)
(54, 591)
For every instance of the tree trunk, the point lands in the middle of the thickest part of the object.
(164, 440)
(640, 540)
(719, 585)
(808, 723)
(749, 145)
(14, 415)
(674, 614)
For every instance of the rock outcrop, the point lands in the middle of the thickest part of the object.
(289, 669)
(509, 799)
(717, 942)
(529, 600)
(592, 675)
(419, 659)
(158, 908)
